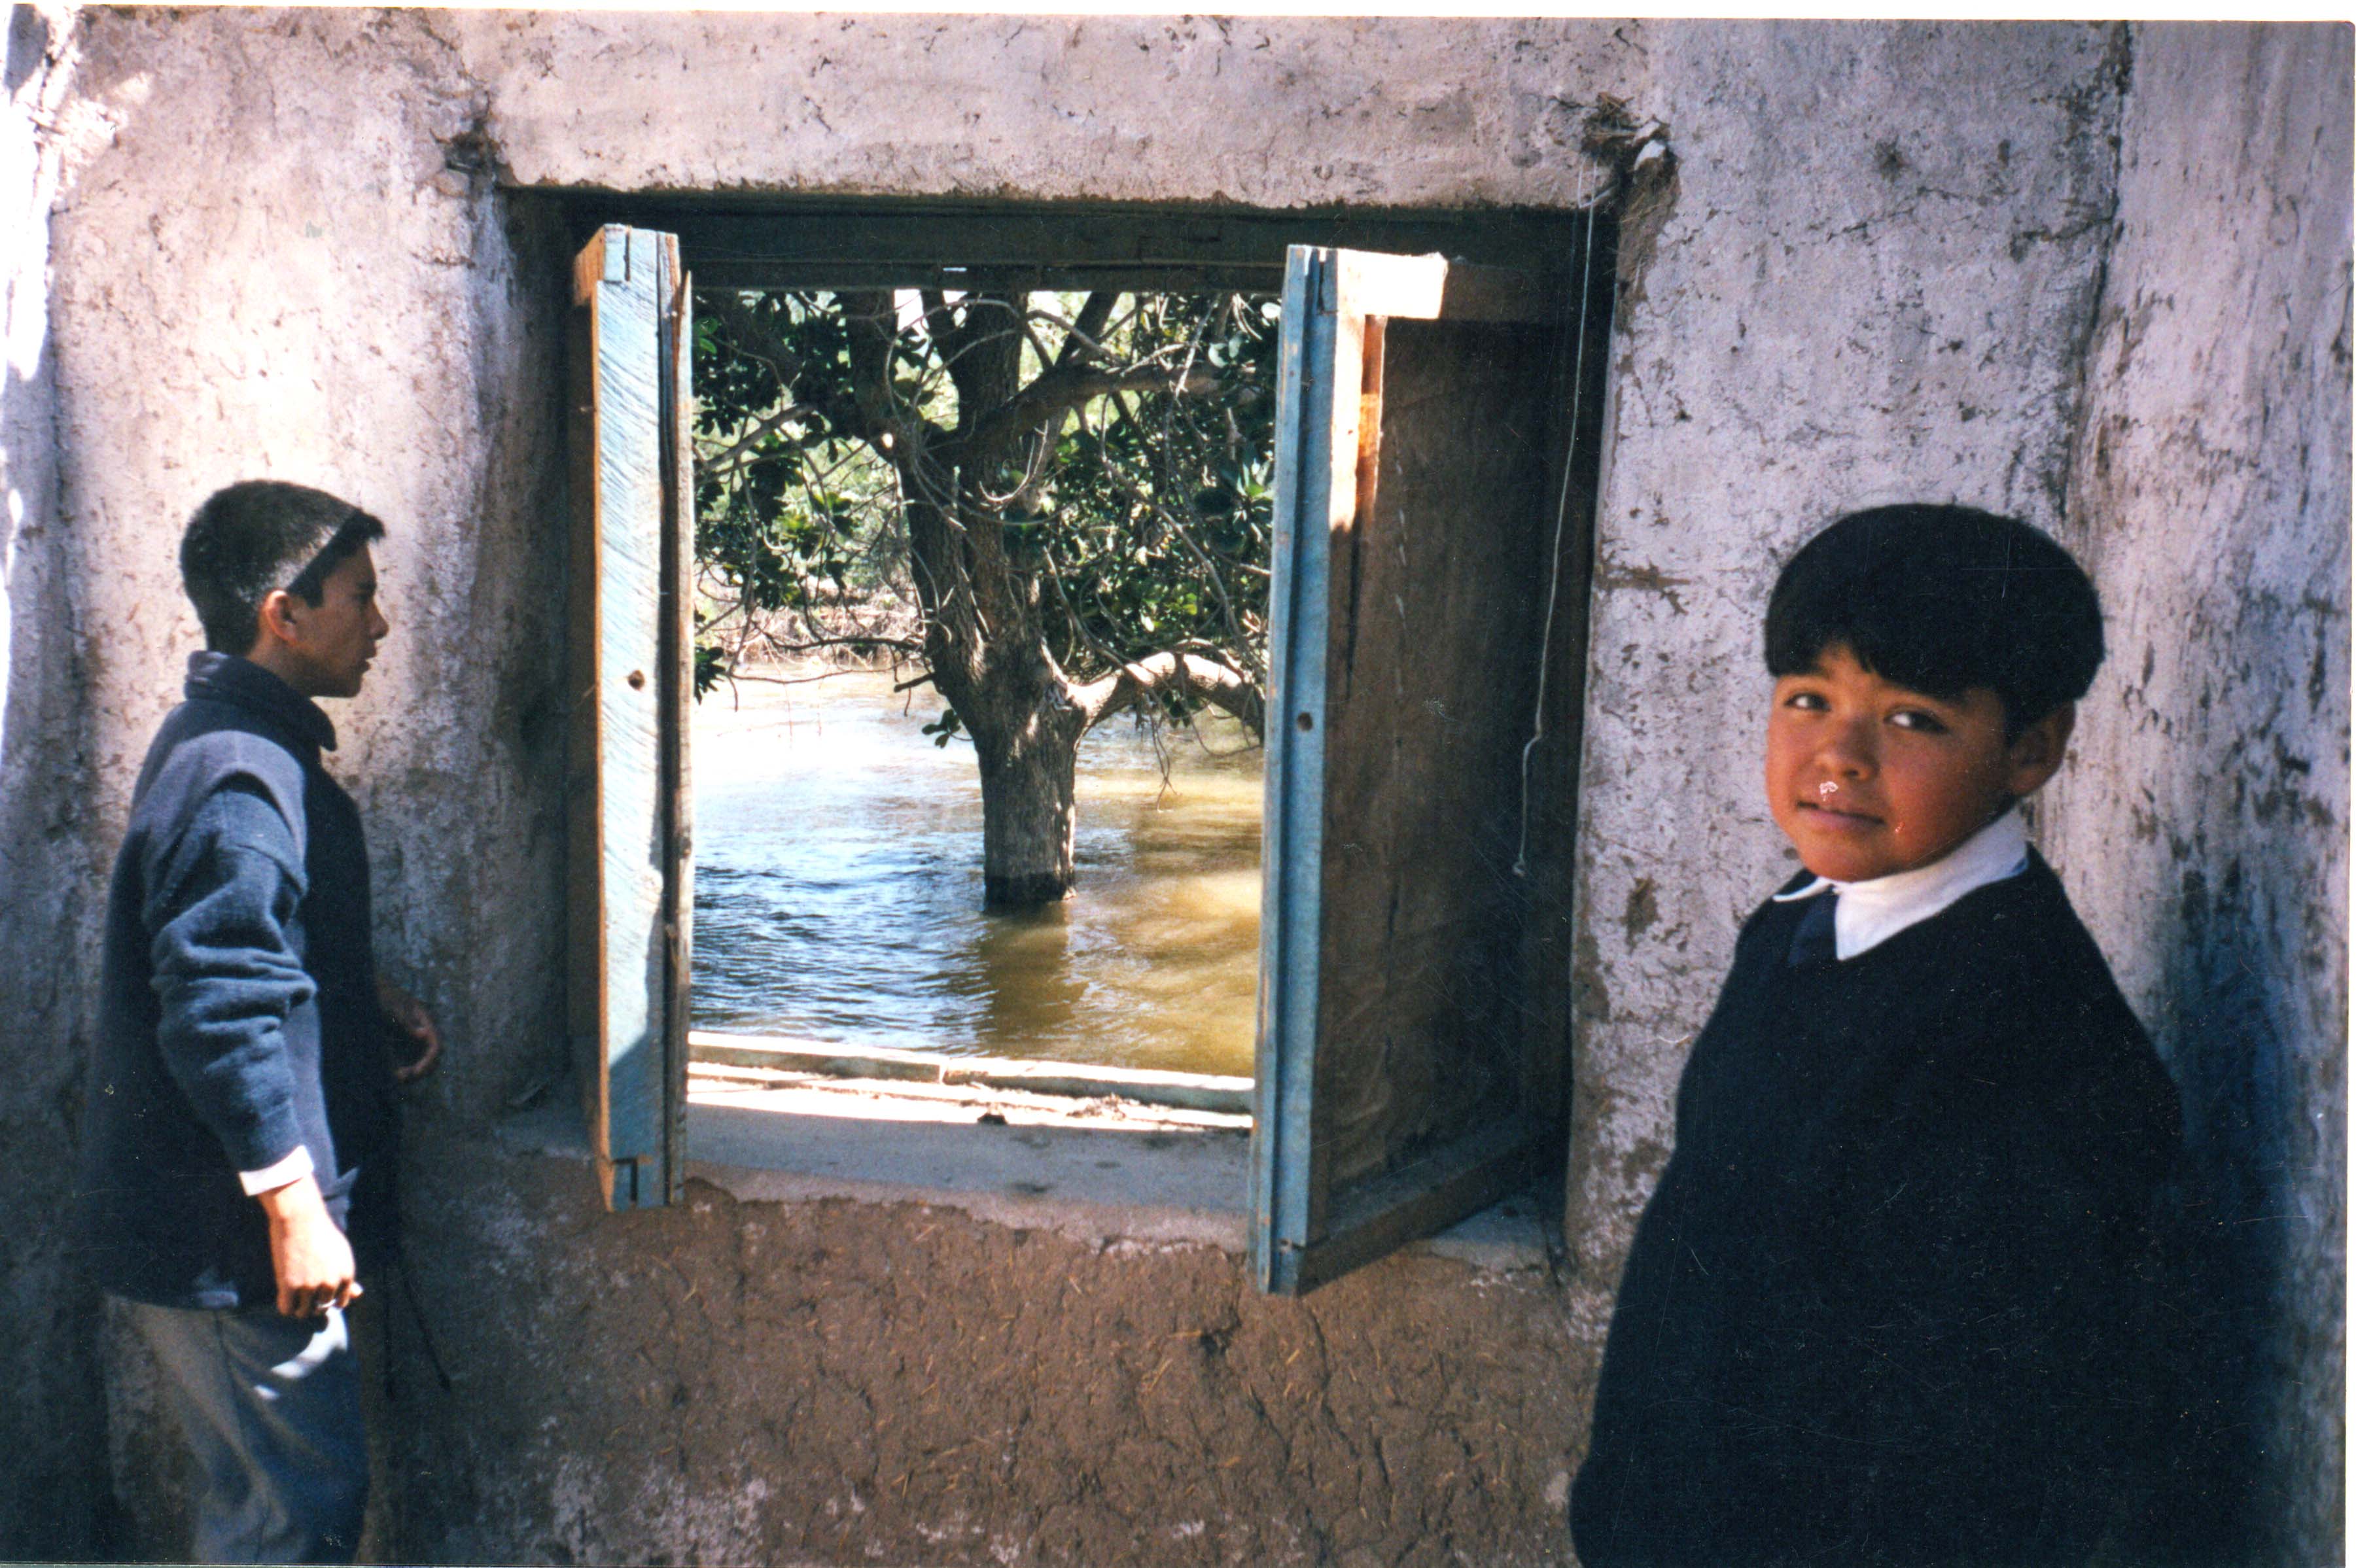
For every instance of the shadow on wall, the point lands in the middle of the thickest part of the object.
(53, 1501)
(2229, 1226)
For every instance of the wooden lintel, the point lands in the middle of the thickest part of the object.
(816, 244)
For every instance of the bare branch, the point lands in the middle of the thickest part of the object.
(1198, 675)
(1083, 333)
(1065, 388)
(740, 452)
(810, 645)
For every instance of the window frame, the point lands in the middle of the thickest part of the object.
(783, 245)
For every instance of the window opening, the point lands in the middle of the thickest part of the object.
(1431, 399)
(981, 649)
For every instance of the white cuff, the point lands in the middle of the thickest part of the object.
(277, 1174)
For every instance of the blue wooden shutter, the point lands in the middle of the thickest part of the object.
(1412, 1011)
(632, 639)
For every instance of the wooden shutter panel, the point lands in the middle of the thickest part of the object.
(632, 641)
(1413, 1007)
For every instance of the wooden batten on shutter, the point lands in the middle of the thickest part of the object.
(1412, 1015)
(631, 681)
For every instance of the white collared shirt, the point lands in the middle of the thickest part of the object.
(1870, 913)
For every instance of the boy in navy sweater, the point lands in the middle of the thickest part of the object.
(1882, 1306)
(239, 1142)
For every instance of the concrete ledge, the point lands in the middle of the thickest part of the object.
(1100, 1186)
(1191, 1091)
(1118, 1181)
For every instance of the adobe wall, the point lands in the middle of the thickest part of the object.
(2202, 823)
(2169, 391)
(54, 1483)
(308, 245)
(1860, 289)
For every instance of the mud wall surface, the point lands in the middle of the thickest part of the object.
(2107, 291)
(1869, 279)
(2203, 821)
(325, 246)
(53, 1486)
(848, 1382)
(267, 261)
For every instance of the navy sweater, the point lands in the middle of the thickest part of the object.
(239, 1017)
(1882, 1306)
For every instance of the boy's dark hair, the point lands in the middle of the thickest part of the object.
(261, 533)
(1943, 598)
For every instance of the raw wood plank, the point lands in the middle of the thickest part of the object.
(622, 950)
(678, 701)
(1430, 681)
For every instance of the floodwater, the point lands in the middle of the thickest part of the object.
(838, 887)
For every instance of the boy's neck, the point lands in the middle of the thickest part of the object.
(1870, 913)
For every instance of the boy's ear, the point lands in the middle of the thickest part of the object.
(2036, 752)
(274, 621)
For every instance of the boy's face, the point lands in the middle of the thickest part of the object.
(1868, 778)
(325, 649)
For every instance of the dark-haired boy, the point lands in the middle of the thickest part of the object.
(240, 1114)
(1880, 1309)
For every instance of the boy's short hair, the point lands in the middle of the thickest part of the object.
(1942, 599)
(261, 533)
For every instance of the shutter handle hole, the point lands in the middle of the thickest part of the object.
(1305, 722)
(638, 680)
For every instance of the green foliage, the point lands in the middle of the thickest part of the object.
(944, 728)
(787, 501)
(1142, 517)
(1155, 525)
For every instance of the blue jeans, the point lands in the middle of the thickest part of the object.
(271, 1408)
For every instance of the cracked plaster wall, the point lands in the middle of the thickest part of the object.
(309, 244)
(54, 1482)
(1848, 300)
(2106, 290)
(2202, 823)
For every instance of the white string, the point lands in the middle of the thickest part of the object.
(1561, 514)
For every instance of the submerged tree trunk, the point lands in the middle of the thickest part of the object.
(1027, 815)
(1027, 729)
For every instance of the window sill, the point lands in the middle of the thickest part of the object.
(1102, 1172)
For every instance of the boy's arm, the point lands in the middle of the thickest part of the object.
(224, 974)
(226, 977)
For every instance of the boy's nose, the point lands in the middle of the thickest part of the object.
(1847, 749)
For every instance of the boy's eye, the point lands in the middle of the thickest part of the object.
(1812, 701)
(1915, 718)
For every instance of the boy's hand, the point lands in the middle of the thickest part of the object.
(309, 1256)
(408, 1015)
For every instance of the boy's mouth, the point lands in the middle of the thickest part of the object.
(1839, 818)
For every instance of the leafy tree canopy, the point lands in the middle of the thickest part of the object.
(1131, 494)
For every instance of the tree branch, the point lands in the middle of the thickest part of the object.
(1053, 393)
(809, 645)
(1080, 337)
(740, 452)
(1213, 680)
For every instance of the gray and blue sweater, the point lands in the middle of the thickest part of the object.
(239, 1015)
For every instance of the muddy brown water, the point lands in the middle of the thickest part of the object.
(838, 887)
